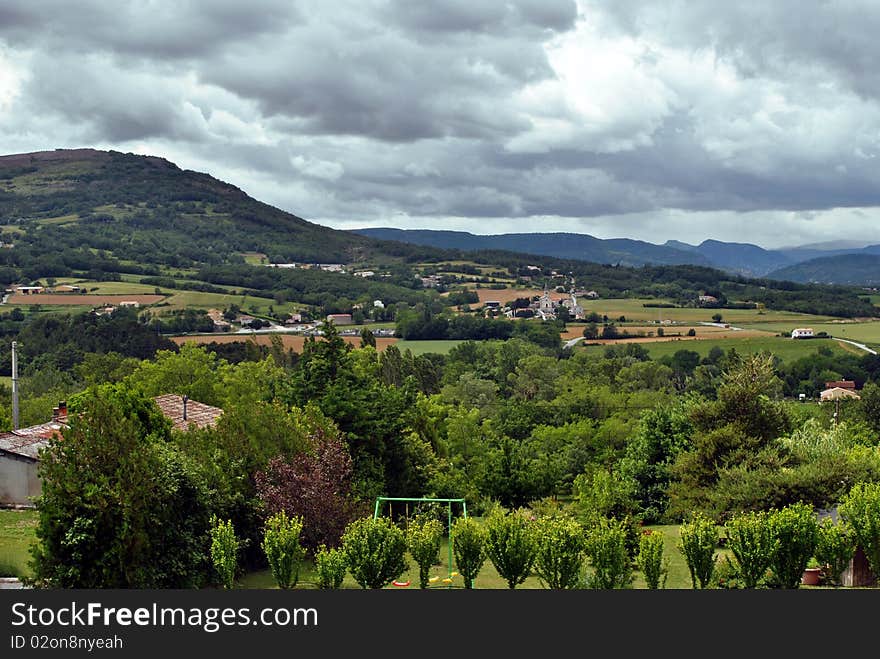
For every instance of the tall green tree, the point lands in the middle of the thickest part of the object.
(120, 506)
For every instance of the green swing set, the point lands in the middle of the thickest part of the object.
(409, 500)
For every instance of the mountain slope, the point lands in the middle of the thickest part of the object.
(581, 247)
(742, 258)
(143, 206)
(862, 269)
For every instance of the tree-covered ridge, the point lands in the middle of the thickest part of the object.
(148, 210)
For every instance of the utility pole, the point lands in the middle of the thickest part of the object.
(14, 386)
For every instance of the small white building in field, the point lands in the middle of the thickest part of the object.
(802, 333)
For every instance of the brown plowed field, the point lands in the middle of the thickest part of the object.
(290, 341)
(87, 300)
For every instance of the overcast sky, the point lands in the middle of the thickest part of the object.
(651, 119)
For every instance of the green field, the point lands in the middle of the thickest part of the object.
(863, 332)
(634, 309)
(421, 347)
(248, 303)
(785, 349)
(16, 534)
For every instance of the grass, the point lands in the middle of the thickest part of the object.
(17, 529)
(422, 347)
(200, 300)
(784, 348)
(634, 309)
(863, 332)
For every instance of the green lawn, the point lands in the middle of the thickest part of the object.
(785, 349)
(16, 534)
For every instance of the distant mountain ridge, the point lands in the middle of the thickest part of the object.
(740, 258)
(582, 247)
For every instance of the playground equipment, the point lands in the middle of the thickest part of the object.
(407, 501)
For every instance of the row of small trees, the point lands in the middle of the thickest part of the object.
(773, 548)
(769, 548)
(374, 551)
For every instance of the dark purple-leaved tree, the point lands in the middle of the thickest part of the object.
(315, 485)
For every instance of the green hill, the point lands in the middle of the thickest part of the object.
(146, 210)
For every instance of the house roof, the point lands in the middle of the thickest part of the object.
(28, 441)
(197, 413)
(836, 393)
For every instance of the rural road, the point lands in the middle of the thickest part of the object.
(857, 345)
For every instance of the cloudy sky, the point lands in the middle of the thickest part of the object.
(747, 121)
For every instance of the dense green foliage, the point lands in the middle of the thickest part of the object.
(510, 545)
(375, 550)
(224, 551)
(331, 565)
(608, 555)
(835, 546)
(699, 538)
(468, 539)
(650, 559)
(120, 506)
(560, 545)
(750, 538)
(860, 509)
(283, 550)
(423, 537)
(795, 531)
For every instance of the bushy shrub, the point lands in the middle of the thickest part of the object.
(750, 538)
(608, 555)
(375, 550)
(331, 566)
(835, 546)
(469, 548)
(510, 545)
(224, 551)
(423, 538)
(650, 559)
(699, 537)
(560, 544)
(794, 530)
(283, 549)
(860, 508)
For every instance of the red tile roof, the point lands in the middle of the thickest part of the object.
(197, 413)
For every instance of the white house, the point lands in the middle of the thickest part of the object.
(802, 333)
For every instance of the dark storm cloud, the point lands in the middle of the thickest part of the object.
(185, 28)
(359, 110)
(834, 41)
(482, 16)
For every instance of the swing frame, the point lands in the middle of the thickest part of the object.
(448, 502)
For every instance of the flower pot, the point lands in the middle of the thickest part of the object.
(811, 576)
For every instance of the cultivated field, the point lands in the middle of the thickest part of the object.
(634, 309)
(506, 295)
(290, 341)
(671, 332)
(87, 300)
(862, 332)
